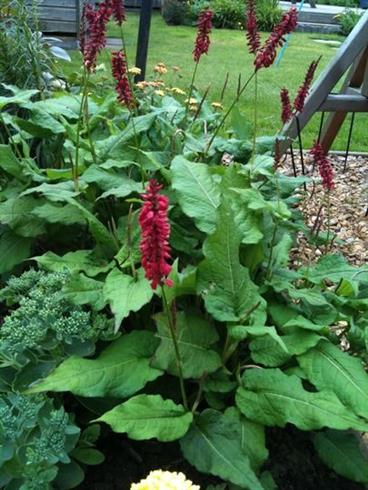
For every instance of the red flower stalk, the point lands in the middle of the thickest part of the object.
(95, 24)
(253, 36)
(287, 112)
(267, 54)
(203, 41)
(324, 166)
(303, 90)
(118, 11)
(154, 223)
(119, 72)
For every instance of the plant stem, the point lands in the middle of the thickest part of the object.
(255, 116)
(79, 128)
(328, 222)
(10, 138)
(273, 240)
(191, 88)
(176, 347)
(223, 120)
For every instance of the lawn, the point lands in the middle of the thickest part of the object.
(228, 54)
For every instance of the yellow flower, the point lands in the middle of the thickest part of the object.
(176, 68)
(161, 93)
(134, 70)
(192, 101)
(141, 85)
(178, 91)
(164, 480)
(160, 68)
(217, 105)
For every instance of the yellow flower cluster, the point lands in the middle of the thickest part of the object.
(164, 480)
(160, 68)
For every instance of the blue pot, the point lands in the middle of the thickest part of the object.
(364, 4)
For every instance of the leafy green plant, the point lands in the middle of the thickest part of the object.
(174, 11)
(348, 20)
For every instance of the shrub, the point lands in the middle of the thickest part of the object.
(348, 20)
(175, 12)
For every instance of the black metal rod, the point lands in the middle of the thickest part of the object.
(321, 126)
(349, 140)
(143, 38)
(301, 150)
(293, 160)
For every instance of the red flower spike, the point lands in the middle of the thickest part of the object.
(267, 53)
(253, 36)
(119, 72)
(203, 41)
(287, 112)
(118, 11)
(154, 223)
(324, 166)
(95, 24)
(303, 90)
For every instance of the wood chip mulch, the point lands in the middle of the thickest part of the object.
(348, 209)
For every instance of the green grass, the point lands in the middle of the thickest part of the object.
(228, 54)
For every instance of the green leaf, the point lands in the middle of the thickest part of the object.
(67, 215)
(88, 456)
(9, 162)
(184, 282)
(112, 183)
(332, 268)
(214, 445)
(327, 367)
(300, 322)
(223, 282)
(81, 260)
(69, 476)
(341, 452)
(270, 397)
(197, 191)
(83, 290)
(126, 294)
(253, 439)
(13, 250)
(149, 416)
(120, 371)
(61, 191)
(40, 124)
(16, 212)
(194, 336)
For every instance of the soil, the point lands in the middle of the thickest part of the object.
(293, 463)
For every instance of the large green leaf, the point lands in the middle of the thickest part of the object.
(332, 268)
(81, 260)
(327, 367)
(66, 215)
(13, 250)
(270, 397)
(214, 445)
(197, 190)
(195, 337)
(223, 282)
(9, 162)
(40, 124)
(149, 416)
(113, 183)
(16, 212)
(341, 451)
(83, 290)
(126, 294)
(120, 371)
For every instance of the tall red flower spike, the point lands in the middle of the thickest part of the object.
(267, 53)
(303, 90)
(324, 166)
(119, 72)
(118, 11)
(95, 24)
(203, 41)
(287, 111)
(154, 223)
(253, 35)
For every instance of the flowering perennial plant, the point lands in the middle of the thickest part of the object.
(94, 32)
(267, 53)
(303, 90)
(120, 73)
(253, 36)
(203, 41)
(118, 11)
(287, 111)
(155, 228)
(165, 480)
(324, 166)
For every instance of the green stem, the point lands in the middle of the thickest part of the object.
(79, 128)
(255, 116)
(226, 115)
(176, 347)
(328, 221)
(10, 138)
(272, 246)
(89, 135)
(191, 88)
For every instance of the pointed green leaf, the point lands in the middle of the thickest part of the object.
(224, 283)
(83, 290)
(13, 250)
(327, 367)
(332, 268)
(121, 370)
(67, 215)
(17, 213)
(341, 452)
(81, 260)
(198, 193)
(195, 337)
(149, 416)
(270, 397)
(9, 162)
(126, 294)
(213, 445)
